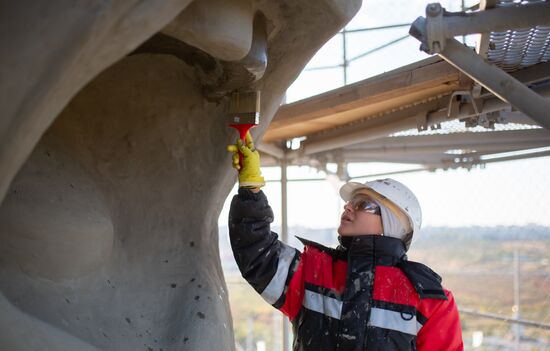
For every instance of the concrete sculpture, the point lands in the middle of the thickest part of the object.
(113, 167)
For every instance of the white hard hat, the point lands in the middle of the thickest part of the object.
(390, 193)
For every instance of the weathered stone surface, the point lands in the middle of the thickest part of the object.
(227, 37)
(51, 49)
(109, 228)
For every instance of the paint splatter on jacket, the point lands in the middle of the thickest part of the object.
(363, 295)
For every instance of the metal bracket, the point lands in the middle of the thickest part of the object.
(453, 106)
(476, 90)
(435, 31)
(421, 122)
(430, 31)
(486, 120)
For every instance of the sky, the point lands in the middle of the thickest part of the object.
(506, 193)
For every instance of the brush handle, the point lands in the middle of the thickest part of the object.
(242, 129)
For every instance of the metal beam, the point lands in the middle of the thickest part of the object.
(428, 149)
(428, 161)
(378, 48)
(455, 140)
(385, 174)
(516, 157)
(498, 19)
(377, 28)
(445, 163)
(284, 235)
(421, 151)
(432, 161)
(498, 82)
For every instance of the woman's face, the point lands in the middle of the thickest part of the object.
(361, 216)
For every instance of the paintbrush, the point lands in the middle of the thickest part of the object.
(244, 113)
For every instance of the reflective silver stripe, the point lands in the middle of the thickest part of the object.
(328, 306)
(393, 320)
(276, 286)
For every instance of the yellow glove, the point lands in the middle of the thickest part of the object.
(250, 175)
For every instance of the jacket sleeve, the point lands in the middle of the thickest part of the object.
(271, 267)
(442, 330)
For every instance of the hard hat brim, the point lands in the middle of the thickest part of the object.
(348, 189)
(351, 188)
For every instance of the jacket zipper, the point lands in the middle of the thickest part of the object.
(371, 292)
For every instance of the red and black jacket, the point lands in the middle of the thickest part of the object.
(363, 295)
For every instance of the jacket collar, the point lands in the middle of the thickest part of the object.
(373, 245)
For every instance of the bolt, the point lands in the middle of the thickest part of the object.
(433, 10)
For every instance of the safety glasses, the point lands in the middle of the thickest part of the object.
(363, 203)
